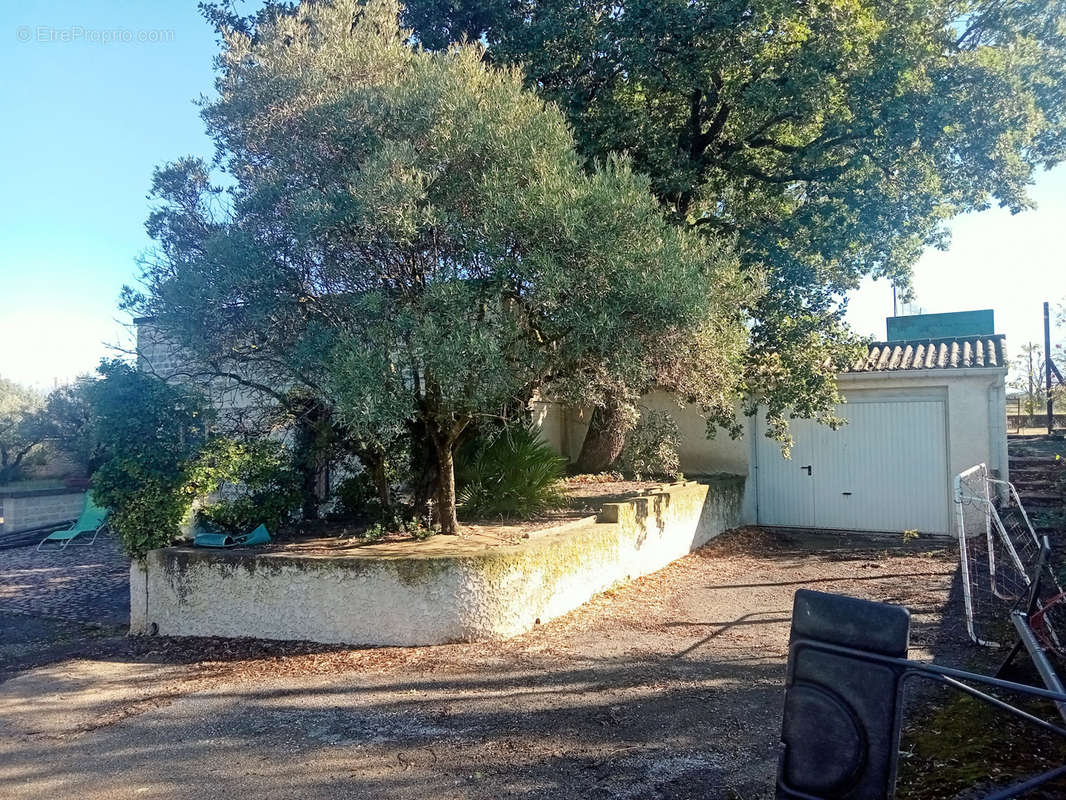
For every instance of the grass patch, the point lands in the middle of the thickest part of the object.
(960, 743)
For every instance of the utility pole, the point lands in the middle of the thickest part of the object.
(1047, 369)
(1030, 405)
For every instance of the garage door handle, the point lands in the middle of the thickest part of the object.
(808, 468)
(846, 493)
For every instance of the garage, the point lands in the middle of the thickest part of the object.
(919, 411)
(883, 471)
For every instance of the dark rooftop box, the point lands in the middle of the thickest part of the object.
(942, 326)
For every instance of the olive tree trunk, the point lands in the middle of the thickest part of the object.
(608, 429)
(313, 432)
(444, 442)
(449, 522)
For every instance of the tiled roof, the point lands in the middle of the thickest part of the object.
(962, 352)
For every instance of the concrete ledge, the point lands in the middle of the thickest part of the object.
(47, 491)
(445, 590)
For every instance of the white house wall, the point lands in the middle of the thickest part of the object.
(564, 428)
(975, 403)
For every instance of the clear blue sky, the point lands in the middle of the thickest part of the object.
(86, 120)
(84, 124)
(1009, 263)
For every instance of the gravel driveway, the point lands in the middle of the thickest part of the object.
(668, 687)
(83, 583)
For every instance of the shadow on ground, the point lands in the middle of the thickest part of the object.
(667, 687)
(611, 728)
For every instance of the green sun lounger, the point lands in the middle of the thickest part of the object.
(91, 522)
(212, 539)
(259, 536)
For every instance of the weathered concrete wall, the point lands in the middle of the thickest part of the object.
(138, 597)
(564, 428)
(38, 508)
(469, 594)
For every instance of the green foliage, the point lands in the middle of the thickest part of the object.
(421, 532)
(255, 483)
(146, 510)
(359, 496)
(1028, 379)
(16, 401)
(412, 238)
(66, 422)
(652, 449)
(509, 472)
(376, 475)
(829, 140)
(20, 409)
(955, 742)
(159, 453)
(33, 426)
(356, 497)
(141, 418)
(398, 525)
(374, 533)
(147, 432)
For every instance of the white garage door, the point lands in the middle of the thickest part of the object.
(886, 470)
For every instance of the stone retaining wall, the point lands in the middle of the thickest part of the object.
(39, 508)
(444, 590)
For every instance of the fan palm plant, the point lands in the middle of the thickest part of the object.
(509, 473)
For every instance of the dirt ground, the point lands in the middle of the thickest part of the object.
(668, 687)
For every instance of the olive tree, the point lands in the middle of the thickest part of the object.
(413, 239)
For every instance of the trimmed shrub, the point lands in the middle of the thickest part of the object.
(255, 481)
(652, 450)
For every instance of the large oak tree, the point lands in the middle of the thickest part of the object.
(831, 138)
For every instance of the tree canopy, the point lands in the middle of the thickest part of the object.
(20, 431)
(830, 139)
(34, 425)
(413, 240)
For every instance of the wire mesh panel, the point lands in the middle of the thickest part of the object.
(988, 593)
(1000, 554)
